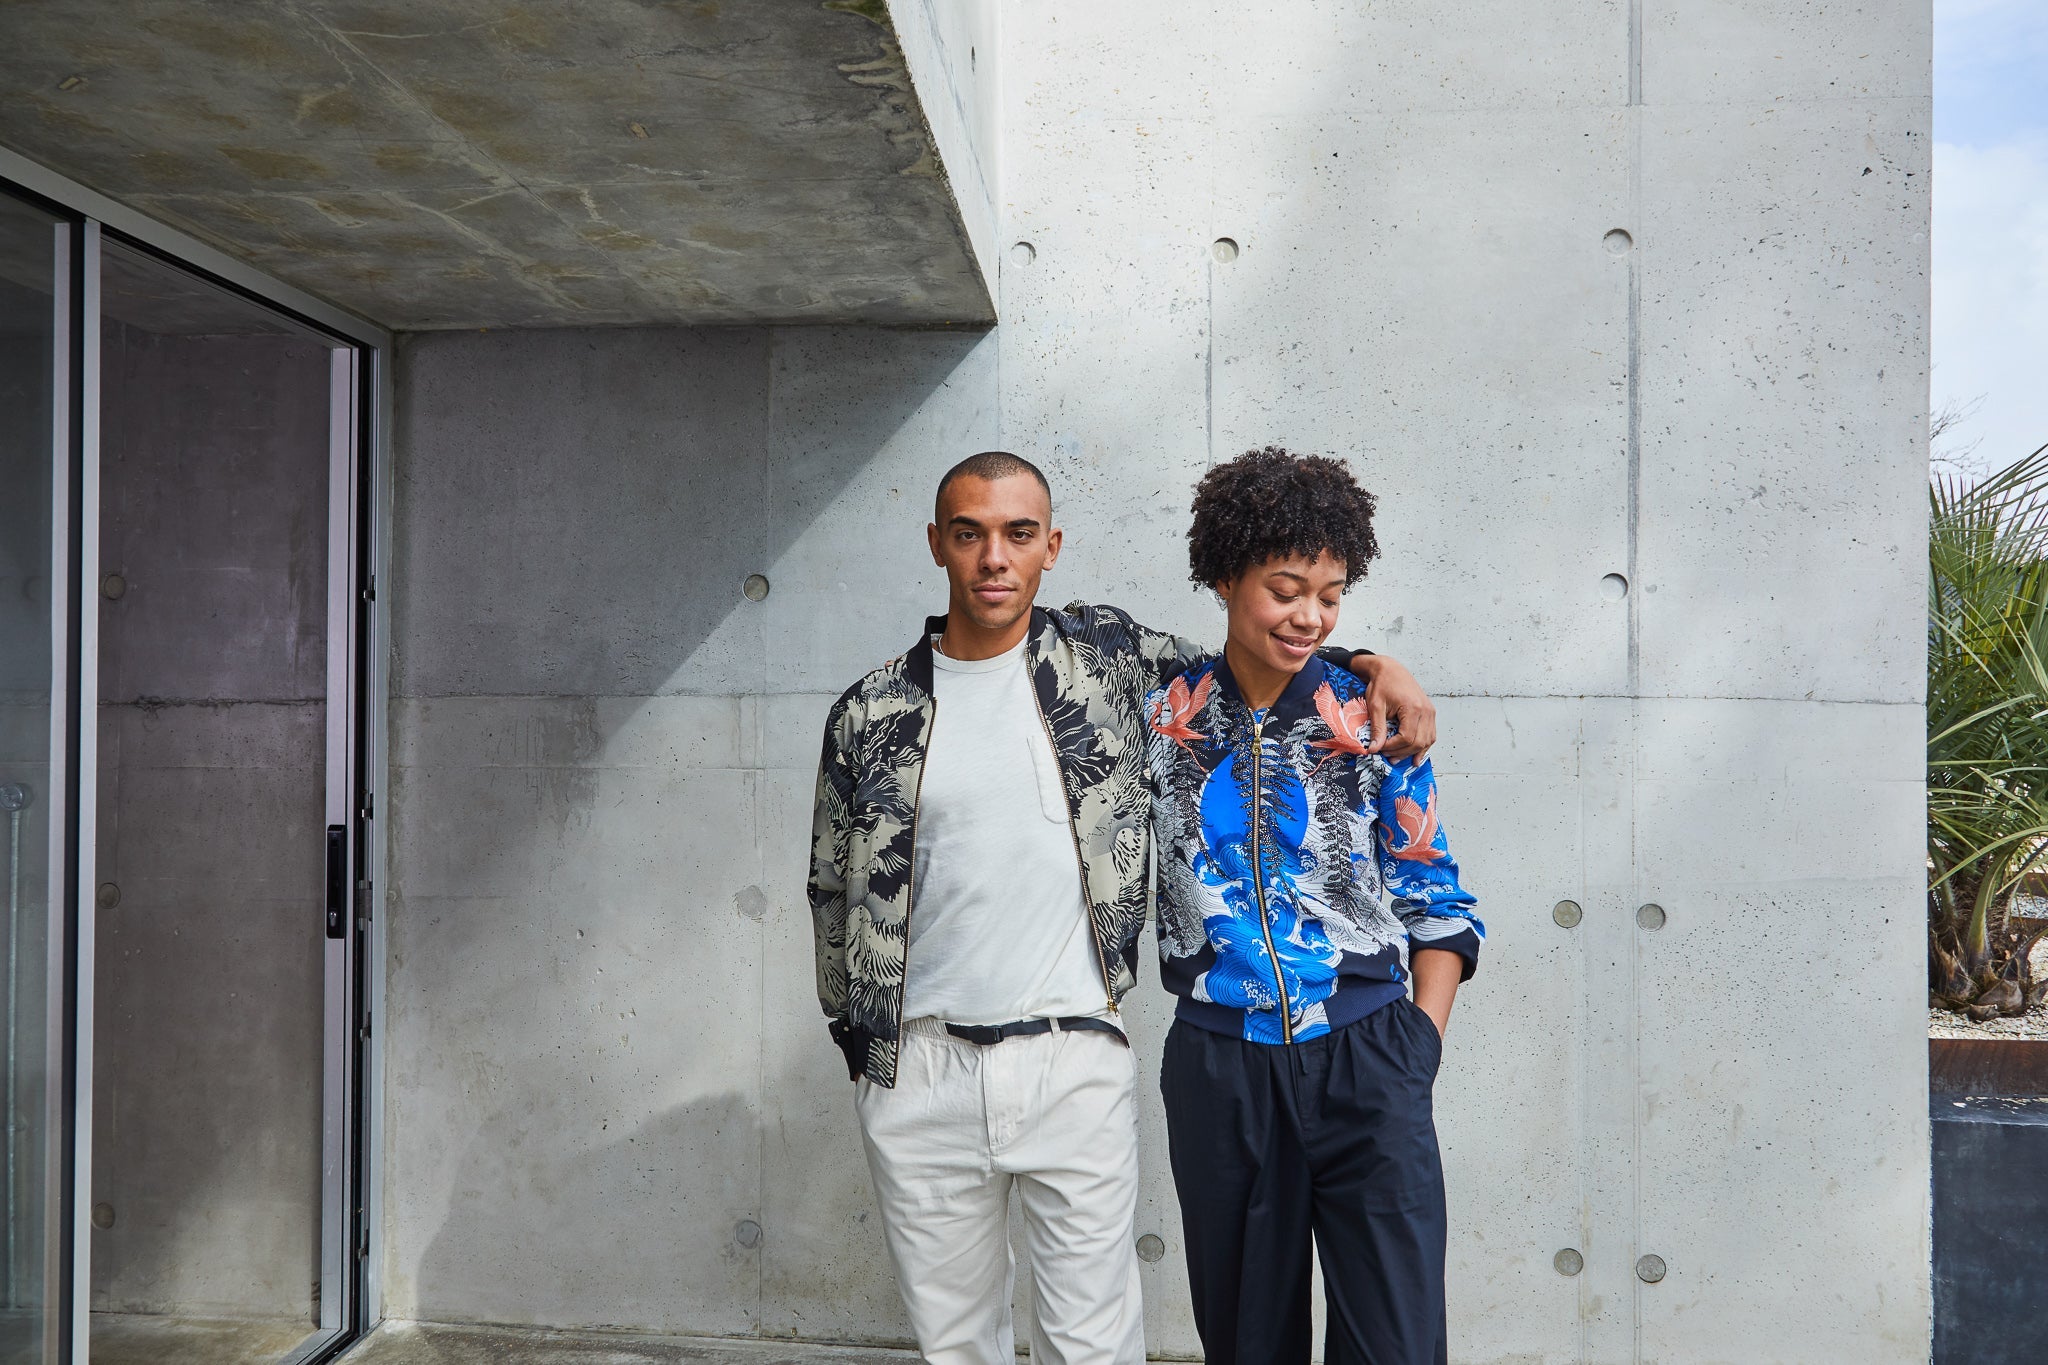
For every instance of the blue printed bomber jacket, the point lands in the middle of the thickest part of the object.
(1090, 669)
(1276, 834)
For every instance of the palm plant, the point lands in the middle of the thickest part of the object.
(1987, 734)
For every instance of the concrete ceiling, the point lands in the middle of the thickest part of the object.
(480, 163)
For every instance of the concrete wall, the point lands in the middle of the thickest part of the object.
(1581, 291)
(603, 1041)
(206, 1100)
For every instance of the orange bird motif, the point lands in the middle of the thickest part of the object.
(1349, 732)
(1418, 825)
(1179, 706)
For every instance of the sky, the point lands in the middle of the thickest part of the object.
(1991, 226)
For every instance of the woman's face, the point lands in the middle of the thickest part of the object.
(1283, 609)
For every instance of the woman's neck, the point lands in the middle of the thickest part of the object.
(1259, 683)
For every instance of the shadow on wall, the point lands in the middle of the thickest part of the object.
(596, 1081)
(605, 1058)
(649, 1180)
(577, 512)
(654, 1219)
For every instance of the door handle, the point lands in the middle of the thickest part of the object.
(337, 881)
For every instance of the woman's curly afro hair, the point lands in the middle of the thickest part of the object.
(1272, 503)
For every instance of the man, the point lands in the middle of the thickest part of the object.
(979, 865)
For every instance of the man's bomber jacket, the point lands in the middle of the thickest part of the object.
(1090, 668)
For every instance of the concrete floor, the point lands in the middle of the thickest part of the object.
(419, 1343)
(150, 1339)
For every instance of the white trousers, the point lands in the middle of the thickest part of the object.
(1053, 1115)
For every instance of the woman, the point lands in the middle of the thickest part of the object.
(1298, 1071)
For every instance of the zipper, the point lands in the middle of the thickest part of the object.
(1080, 862)
(910, 875)
(1259, 875)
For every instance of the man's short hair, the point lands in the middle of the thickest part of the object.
(990, 464)
(1271, 503)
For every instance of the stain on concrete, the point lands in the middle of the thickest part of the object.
(171, 1339)
(235, 40)
(719, 237)
(888, 73)
(69, 119)
(479, 114)
(402, 159)
(336, 107)
(618, 239)
(523, 29)
(874, 11)
(751, 904)
(357, 212)
(419, 1343)
(263, 164)
(164, 168)
(199, 111)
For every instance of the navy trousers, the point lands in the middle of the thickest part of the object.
(1330, 1142)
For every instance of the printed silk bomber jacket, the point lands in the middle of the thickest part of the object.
(1091, 667)
(1276, 835)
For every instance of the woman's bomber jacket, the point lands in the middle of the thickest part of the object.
(1277, 833)
(1090, 669)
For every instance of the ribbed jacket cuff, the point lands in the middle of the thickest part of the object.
(1461, 940)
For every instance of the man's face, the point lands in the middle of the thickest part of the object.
(994, 538)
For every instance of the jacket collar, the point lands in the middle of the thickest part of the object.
(1296, 699)
(917, 660)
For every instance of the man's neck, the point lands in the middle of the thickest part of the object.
(965, 641)
(1258, 683)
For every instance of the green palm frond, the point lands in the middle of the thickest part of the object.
(1987, 718)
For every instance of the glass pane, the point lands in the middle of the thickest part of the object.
(210, 947)
(28, 288)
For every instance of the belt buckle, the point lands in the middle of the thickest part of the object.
(981, 1035)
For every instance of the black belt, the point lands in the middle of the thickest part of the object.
(988, 1035)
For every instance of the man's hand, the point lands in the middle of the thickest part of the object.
(1395, 701)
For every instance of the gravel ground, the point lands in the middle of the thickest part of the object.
(2032, 1024)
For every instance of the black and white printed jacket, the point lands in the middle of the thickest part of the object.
(1090, 667)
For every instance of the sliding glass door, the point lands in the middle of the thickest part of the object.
(183, 816)
(224, 756)
(35, 471)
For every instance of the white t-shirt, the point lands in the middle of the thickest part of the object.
(998, 924)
